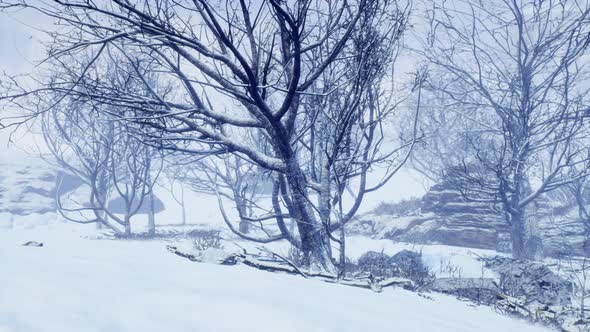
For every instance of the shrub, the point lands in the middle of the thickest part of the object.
(205, 239)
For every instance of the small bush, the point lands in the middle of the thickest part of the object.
(205, 239)
(448, 269)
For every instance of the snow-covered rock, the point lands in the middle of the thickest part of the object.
(446, 217)
(480, 290)
(533, 281)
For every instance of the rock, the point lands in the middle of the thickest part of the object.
(405, 264)
(480, 290)
(504, 242)
(562, 318)
(33, 244)
(459, 222)
(408, 264)
(532, 281)
(375, 263)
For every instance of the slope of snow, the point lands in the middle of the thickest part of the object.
(79, 284)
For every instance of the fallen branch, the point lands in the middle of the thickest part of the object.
(285, 260)
(175, 250)
(290, 268)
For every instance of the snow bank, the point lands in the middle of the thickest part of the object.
(75, 284)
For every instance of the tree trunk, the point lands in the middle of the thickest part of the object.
(315, 242)
(183, 207)
(517, 234)
(517, 211)
(342, 259)
(244, 227)
(102, 214)
(241, 206)
(324, 205)
(151, 214)
(127, 221)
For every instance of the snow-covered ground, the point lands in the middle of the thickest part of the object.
(80, 284)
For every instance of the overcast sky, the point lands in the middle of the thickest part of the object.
(21, 47)
(20, 39)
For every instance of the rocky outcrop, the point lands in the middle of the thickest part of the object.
(456, 221)
(446, 217)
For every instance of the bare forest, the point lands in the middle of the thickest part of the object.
(425, 150)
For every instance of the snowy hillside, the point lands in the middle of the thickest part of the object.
(309, 165)
(78, 284)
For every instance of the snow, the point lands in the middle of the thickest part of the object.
(80, 284)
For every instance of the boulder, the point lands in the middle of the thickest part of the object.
(33, 244)
(480, 290)
(532, 281)
(375, 263)
(408, 264)
(405, 264)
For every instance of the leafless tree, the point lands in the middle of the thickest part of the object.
(89, 141)
(244, 67)
(445, 127)
(231, 178)
(523, 65)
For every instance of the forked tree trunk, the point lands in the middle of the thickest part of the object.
(241, 206)
(315, 242)
(516, 211)
(127, 221)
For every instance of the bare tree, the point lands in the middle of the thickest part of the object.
(89, 141)
(446, 127)
(244, 184)
(241, 67)
(521, 64)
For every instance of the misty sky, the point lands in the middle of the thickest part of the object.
(21, 40)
